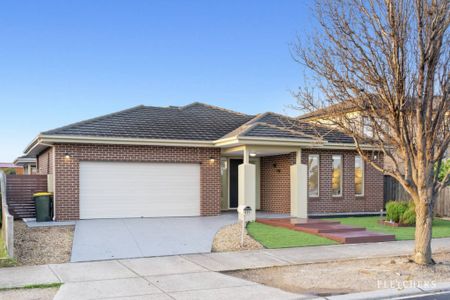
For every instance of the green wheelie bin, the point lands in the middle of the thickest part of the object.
(44, 206)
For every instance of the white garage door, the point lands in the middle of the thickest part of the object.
(125, 190)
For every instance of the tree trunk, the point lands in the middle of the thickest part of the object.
(424, 220)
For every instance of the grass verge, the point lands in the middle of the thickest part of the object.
(277, 237)
(5, 261)
(35, 286)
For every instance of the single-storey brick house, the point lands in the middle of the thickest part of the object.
(200, 160)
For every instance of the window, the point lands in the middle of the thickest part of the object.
(313, 175)
(367, 127)
(336, 178)
(359, 176)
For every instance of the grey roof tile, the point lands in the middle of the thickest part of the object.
(286, 127)
(266, 130)
(196, 121)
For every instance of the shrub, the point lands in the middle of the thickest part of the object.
(445, 167)
(409, 216)
(395, 209)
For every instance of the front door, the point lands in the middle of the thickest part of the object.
(234, 182)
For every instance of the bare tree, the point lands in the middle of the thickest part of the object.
(387, 60)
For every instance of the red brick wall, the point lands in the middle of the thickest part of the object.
(275, 184)
(67, 171)
(45, 162)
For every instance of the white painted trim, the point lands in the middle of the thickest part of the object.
(246, 155)
(265, 141)
(41, 139)
(253, 160)
(227, 142)
(298, 156)
(54, 181)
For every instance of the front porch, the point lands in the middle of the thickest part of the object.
(266, 178)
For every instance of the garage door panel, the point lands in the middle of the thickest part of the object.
(123, 189)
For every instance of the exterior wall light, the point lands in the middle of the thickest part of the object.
(252, 154)
(211, 160)
(67, 156)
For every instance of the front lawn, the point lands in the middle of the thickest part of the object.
(277, 237)
(441, 228)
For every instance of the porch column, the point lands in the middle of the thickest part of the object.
(247, 184)
(299, 188)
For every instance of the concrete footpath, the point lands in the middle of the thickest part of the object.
(194, 276)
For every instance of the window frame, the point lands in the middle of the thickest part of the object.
(341, 157)
(367, 127)
(318, 175)
(363, 170)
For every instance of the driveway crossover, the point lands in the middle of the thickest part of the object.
(104, 239)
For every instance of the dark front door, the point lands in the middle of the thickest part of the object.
(234, 185)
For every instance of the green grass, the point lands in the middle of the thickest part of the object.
(3, 253)
(441, 228)
(277, 237)
(5, 261)
(35, 286)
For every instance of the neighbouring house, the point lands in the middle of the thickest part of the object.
(325, 116)
(27, 163)
(199, 160)
(11, 168)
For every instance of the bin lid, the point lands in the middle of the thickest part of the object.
(42, 194)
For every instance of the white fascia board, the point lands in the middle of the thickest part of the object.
(344, 146)
(230, 142)
(307, 143)
(31, 145)
(65, 139)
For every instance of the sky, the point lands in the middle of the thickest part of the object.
(66, 61)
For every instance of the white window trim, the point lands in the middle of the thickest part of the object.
(342, 174)
(363, 169)
(318, 175)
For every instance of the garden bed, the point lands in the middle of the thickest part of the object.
(228, 238)
(42, 245)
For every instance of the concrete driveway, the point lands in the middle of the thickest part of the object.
(103, 239)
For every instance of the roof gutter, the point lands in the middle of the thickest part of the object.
(50, 140)
(228, 142)
(67, 139)
(348, 146)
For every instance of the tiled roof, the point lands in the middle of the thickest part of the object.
(279, 126)
(196, 121)
(326, 133)
(8, 165)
